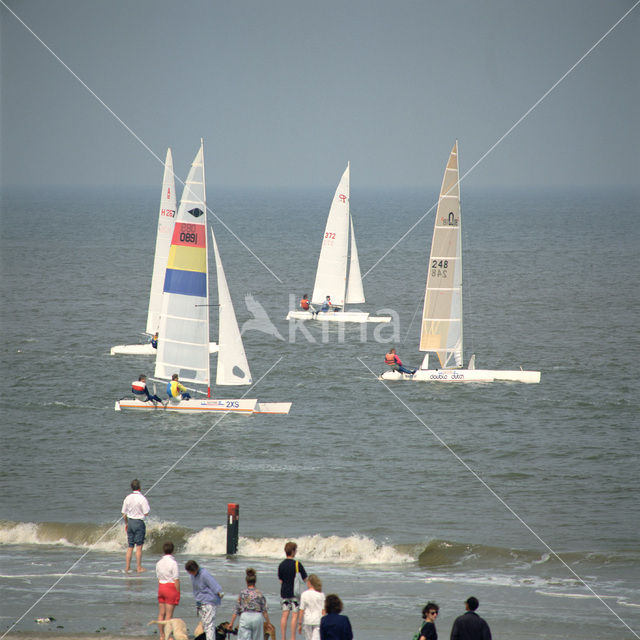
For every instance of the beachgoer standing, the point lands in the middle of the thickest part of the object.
(252, 609)
(470, 626)
(168, 585)
(289, 602)
(208, 595)
(135, 509)
(311, 609)
(428, 628)
(334, 626)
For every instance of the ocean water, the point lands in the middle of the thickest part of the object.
(536, 514)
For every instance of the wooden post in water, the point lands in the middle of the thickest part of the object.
(233, 516)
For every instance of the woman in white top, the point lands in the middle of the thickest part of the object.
(311, 608)
(168, 586)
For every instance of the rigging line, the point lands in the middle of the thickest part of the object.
(411, 323)
(495, 495)
(128, 129)
(511, 128)
(155, 484)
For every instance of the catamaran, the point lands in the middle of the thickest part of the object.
(183, 345)
(166, 219)
(331, 275)
(441, 331)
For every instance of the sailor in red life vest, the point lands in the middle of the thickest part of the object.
(305, 305)
(395, 363)
(139, 388)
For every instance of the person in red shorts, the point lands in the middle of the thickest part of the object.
(168, 586)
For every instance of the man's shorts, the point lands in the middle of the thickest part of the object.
(168, 594)
(135, 532)
(289, 604)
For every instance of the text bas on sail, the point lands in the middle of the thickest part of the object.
(166, 220)
(183, 345)
(441, 331)
(337, 255)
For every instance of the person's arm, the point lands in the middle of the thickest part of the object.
(303, 573)
(349, 631)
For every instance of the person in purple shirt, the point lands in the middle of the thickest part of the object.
(334, 626)
(208, 595)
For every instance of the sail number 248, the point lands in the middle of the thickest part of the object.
(443, 264)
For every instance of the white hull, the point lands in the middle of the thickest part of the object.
(337, 316)
(464, 375)
(207, 405)
(146, 349)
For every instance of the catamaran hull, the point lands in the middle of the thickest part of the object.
(337, 316)
(146, 349)
(464, 375)
(207, 405)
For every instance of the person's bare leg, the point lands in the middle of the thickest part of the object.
(283, 624)
(162, 615)
(127, 564)
(294, 620)
(139, 568)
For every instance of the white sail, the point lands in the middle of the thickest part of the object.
(441, 330)
(331, 276)
(355, 292)
(233, 367)
(183, 345)
(166, 219)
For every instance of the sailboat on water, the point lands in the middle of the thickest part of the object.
(183, 345)
(335, 259)
(166, 220)
(441, 330)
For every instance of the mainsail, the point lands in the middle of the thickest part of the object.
(183, 347)
(441, 330)
(233, 367)
(331, 276)
(166, 218)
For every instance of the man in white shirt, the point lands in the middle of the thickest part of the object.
(134, 510)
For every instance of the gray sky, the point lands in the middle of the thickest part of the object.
(284, 92)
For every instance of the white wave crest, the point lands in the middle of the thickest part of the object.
(354, 549)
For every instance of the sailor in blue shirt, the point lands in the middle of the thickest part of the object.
(208, 595)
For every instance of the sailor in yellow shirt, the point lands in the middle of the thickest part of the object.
(177, 390)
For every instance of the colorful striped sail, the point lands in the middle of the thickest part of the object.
(183, 345)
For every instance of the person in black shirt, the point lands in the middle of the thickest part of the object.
(470, 626)
(290, 602)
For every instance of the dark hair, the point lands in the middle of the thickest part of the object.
(290, 548)
(167, 547)
(142, 377)
(430, 606)
(135, 485)
(472, 603)
(191, 566)
(174, 376)
(250, 576)
(332, 604)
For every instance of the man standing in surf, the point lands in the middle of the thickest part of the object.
(135, 508)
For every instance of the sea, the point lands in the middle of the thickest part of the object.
(525, 496)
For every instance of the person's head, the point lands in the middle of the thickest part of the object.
(315, 582)
(250, 577)
(174, 376)
(332, 604)
(135, 485)
(472, 603)
(155, 335)
(328, 297)
(167, 548)
(430, 611)
(392, 350)
(192, 567)
(305, 295)
(142, 377)
(290, 549)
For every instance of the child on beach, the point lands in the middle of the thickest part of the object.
(311, 609)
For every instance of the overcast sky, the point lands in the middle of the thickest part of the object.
(284, 92)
